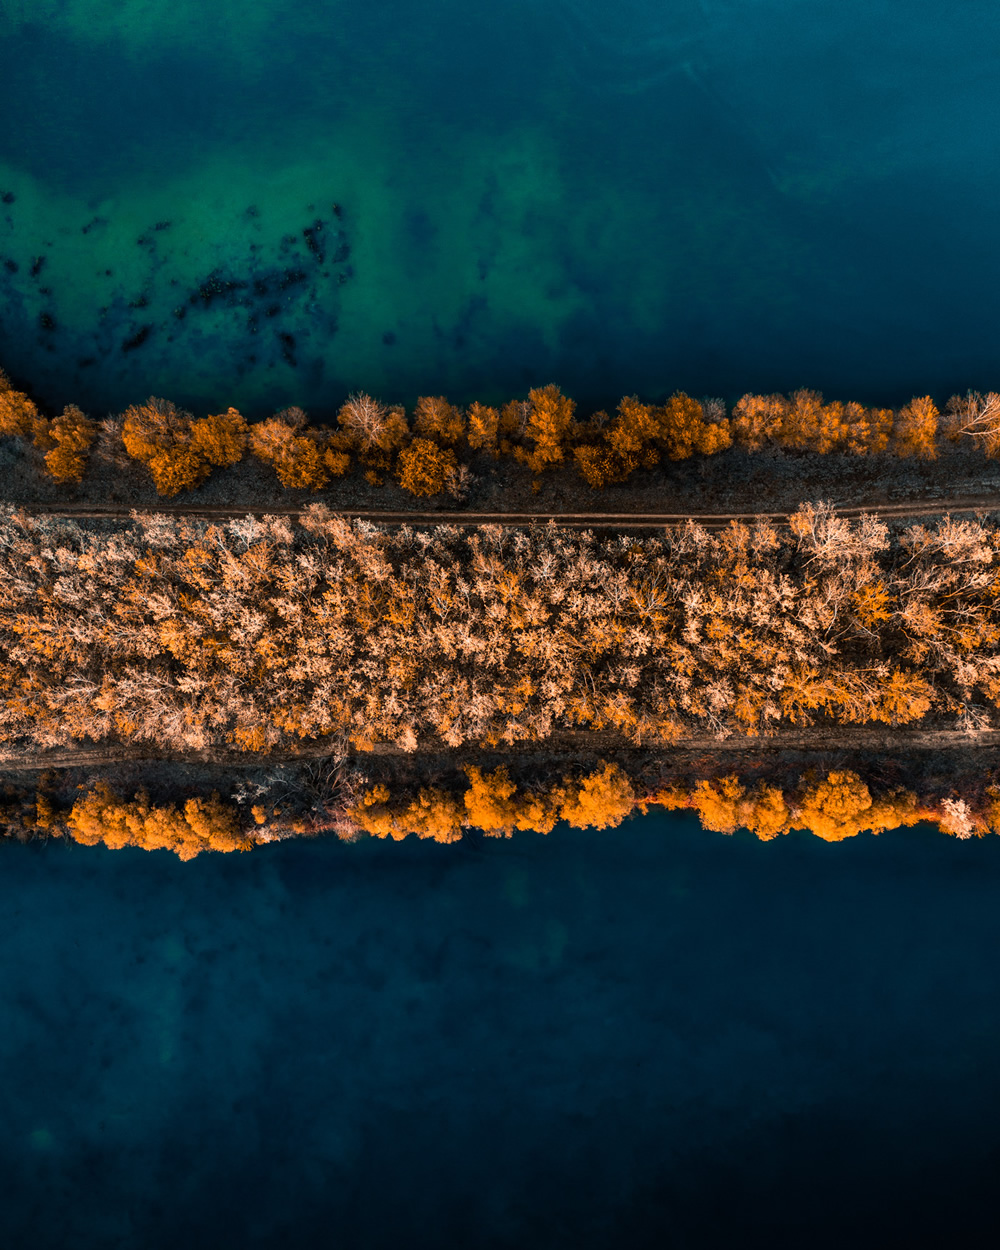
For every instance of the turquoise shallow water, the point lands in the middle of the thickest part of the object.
(639, 197)
(646, 1036)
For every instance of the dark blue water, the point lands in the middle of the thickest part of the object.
(633, 197)
(644, 1037)
(649, 1036)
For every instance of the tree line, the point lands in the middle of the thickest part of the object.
(259, 633)
(427, 452)
(834, 805)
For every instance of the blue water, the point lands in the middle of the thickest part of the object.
(643, 1037)
(649, 1036)
(623, 198)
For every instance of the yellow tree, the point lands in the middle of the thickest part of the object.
(73, 433)
(296, 458)
(158, 434)
(19, 414)
(867, 429)
(484, 424)
(220, 439)
(599, 801)
(915, 429)
(549, 422)
(436, 419)
(489, 801)
(684, 430)
(758, 420)
(424, 467)
(811, 425)
(835, 808)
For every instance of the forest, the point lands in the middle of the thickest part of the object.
(260, 633)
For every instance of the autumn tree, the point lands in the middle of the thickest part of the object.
(298, 459)
(915, 429)
(489, 801)
(601, 800)
(811, 425)
(868, 430)
(835, 808)
(372, 425)
(684, 430)
(439, 421)
(484, 426)
(220, 439)
(639, 433)
(203, 824)
(160, 435)
(72, 433)
(549, 421)
(424, 467)
(976, 416)
(19, 415)
(758, 420)
(433, 814)
(626, 443)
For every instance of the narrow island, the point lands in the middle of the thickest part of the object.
(472, 622)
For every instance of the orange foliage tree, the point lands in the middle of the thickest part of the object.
(18, 414)
(202, 825)
(599, 801)
(758, 420)
(302, 461)
(438, 420)
(179, 451)
(424, 467)
(549, 422)
(72, 433)
(484, 427)
(220, 439)
(685, 431)
(915, 432)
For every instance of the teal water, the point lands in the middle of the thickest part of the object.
(705, 194)
(643, 1037)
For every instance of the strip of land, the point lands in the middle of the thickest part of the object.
(899, 740)
(570, 520)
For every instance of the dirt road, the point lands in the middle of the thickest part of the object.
(571, 520)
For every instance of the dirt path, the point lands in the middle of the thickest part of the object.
(571, 520)
(897, 740)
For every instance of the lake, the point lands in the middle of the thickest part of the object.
(709, 195)
(645, 1036)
